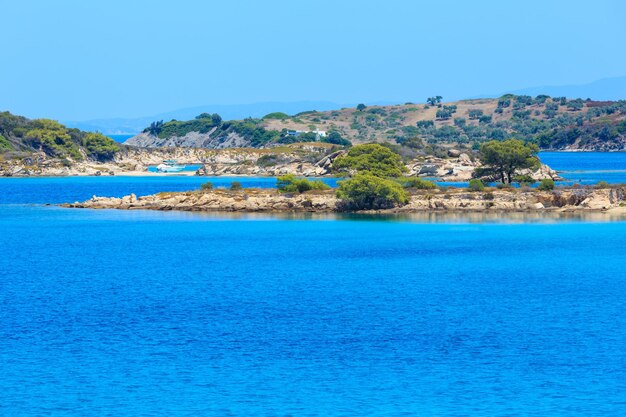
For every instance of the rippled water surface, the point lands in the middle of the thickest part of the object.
(150, 313)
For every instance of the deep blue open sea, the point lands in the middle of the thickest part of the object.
(139, 313)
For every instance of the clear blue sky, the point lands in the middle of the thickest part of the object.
(76, 60)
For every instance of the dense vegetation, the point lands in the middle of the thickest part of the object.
(18, 133)
(365, 191)
(203, 123)
(374, 184)
(374, 158)
(250, 130)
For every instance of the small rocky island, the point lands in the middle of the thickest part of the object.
(325, 201)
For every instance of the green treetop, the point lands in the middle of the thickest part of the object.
(99, 146)
(504, 158)
(376, 159)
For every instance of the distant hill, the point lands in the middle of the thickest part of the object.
(605, 89)
(552, 123)
(122, 126)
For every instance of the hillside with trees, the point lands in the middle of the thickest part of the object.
(556, 123)
(550, 122)
(20, 136)
(210, 131)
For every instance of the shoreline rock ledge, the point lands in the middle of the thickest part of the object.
(268, 200)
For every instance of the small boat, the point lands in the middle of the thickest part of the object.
(169, 165)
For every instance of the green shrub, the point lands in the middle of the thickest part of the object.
(291, 184)
(417, 183)
(602, 184)
(4, 144)
(476, 185)
(216, 119)
(369, 192)
(546, 184)
(235, 185)
(376, 159)
(207, 186)
(488, 196)
(276, 115)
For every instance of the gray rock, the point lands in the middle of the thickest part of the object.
(428, 170)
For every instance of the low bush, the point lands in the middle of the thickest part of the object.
(476, 185)
(291, 184)
(235, 185)
(546, 184)
(207, 186)
(602, 184)
(368, 192)
(417, 183)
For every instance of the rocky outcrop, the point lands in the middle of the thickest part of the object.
(250, 200)
(298, 159)
(254, 200)
(461, 167)
(190, 140)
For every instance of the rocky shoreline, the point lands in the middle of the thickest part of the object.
(307, 160)
(266, 200)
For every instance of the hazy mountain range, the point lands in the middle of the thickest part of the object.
(605, 89)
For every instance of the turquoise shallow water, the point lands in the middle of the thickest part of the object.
(149, 313)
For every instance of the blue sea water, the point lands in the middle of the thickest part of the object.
(163, 313)
(120, 138)
(587, 167)
(57, 190)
